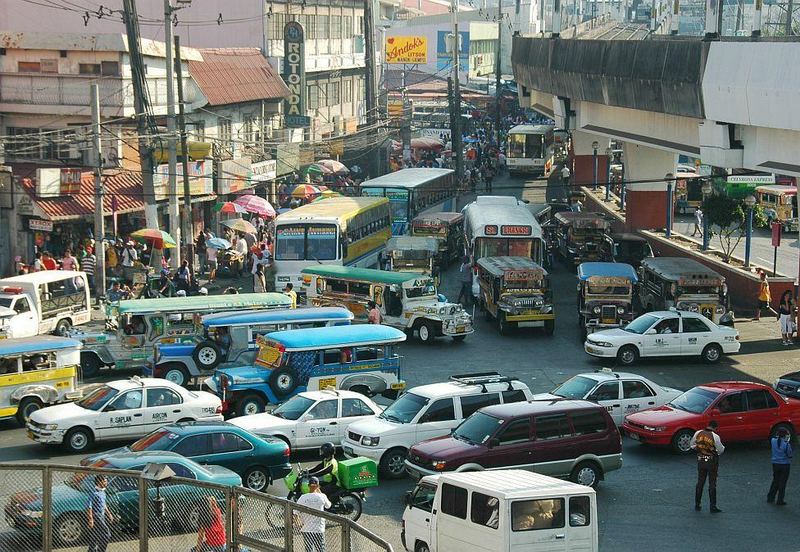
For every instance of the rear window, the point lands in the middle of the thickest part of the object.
(454, 501)
(535, 515)
(514, 395)
(588, 422)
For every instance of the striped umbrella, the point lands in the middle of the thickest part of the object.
(229, 207)
(158, 239)
(304, 191)
(240, 225)
(255, 204)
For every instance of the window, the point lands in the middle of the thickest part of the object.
(360, 288)
(485, 510)
(181, 471)
(49, 66)
(694, 325)
(588, 422)
(518, 431)
(333, 93)
(579, 511)
(162, 397)
(126, 401)
(347, 91)
(553, 426)
(22, 305)
(355, 407)
(667, 326)
(513, 395)
(29, 67)
(472, 403)
(608, 391)
(440, 411)
(224, 131)
(323, 410)
(760, 399)
(423, 497)
(194, 445)
(122, 484)
(336, 26)
(313, 96)
(109, 68)
(228, 442)
(339, 286)
(535, 515)
(731, 403)
(635, 390)
(199, 132)
(454, 501)
(89, 68)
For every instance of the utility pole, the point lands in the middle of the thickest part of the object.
(498, 73)
(144, 119)
(188, 223)
(99, 221)
(172, 188)
(456, 126)
(789, 10)
(370, 77)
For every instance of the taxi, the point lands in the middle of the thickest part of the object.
(120, 410)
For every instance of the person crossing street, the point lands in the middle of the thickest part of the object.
(708, 446)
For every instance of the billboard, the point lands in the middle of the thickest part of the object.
(406, 49)
(201, 179)
(294, 74)
(444, 58)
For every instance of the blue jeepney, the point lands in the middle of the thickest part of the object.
(605, 296)
(230, 338)
(361, 358)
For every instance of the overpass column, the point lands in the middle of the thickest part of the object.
(584, 159)
(645, 201)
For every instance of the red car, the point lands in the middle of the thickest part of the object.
(745, 411)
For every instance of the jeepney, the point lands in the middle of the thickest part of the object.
(685, 284)
(36, 372)
(137, 325)
(630, 248)
(406, 300)
(779, 203)
(413, 254)
(516, 292)
(447, 228)
(583, 237)
(605, 296)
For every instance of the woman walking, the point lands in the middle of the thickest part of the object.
(781, 462)
(211, 527)
(259, 282)
(786, 314)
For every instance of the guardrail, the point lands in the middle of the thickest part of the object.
(45, 509)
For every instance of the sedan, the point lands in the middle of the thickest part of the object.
(744, 411)
(789, 385)
(664, 333)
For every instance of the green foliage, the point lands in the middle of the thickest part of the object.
(727, 217)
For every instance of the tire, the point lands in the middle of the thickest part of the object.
(392, 464)
(257, 478)
(549, 327)
(69, 530)
(421, 547)
(189, 523)
(711, 354)
(427, 332)
(207, 355)
(250, 404)
(78, 439)
(628, 355)
(282, 382)
(502, 324)
(586, 473)
(486, 314)
(680, 441)
(177, 374)
(786, 426)
(90, 365)
(459, 338)
(28, 406)
(63, 327)
(349, 505)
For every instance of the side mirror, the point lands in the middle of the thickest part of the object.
(651, 331)
(408, 496)
(494, 442)
(715, 412)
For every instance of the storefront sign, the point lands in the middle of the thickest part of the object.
(264, 171)
(70, 181)
(406, 49)
(39, 225)
(444, 54)
(752, 179)
(201, 179)
(294, 74)
(234, 175)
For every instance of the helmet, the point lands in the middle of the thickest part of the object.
(202, 291)
(327, 450)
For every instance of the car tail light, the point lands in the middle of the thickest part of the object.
(219, 409)
(287, 452)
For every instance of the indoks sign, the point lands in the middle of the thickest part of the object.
(406, 49)
(294, 74)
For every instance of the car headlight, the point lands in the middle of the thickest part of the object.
(719, 309)
(655, 428)
(682, 305)
(547, 310)
(438, 465)
(620, 310)
(601, 343)
(35, 514)
(693, 307)
(50, 427)
(370, 441)
(596, 310)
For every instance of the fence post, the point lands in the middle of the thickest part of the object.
(47, 509)
(288, 528)
(231, 518)
(346, 536)
(144, 515)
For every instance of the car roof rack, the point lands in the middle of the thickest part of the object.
(482, 378)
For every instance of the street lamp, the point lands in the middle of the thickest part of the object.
(595, 145)
(706, 189)
(668, 178)
(609, 153)
(749, 202)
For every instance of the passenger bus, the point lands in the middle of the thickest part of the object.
(530, 149)
(413, 192)
(342, 231)
(502, 226)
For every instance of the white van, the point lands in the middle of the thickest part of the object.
(425, 412)
(499, 511)
(49, 301)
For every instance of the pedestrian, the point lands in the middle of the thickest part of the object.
(786, 310)
(698, 222)
(202, 254)
(37, 262)
(259, 281)
(241, 253)
(764, 297)
(313, 527)
(465, 277)
(781, 462)
(374, 313)
(89, 263)
(111, 257)
(708, 446)
(210, 527)
(69, 262)
(183, 276)
(565, 175)
(98, 516)
(211, 261)
(289, 290)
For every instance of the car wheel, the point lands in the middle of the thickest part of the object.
(392, 463)
(207, 355)
(459, 338)
(177, 374)
(250, 404)
(426, 332)
(628, 355)
(778, 427)
(68, 530)
(681, 441)
(78, 439)
(90, 365)
(282, 382)
(549, 327)
(712, 353)
(586, 473)
(63, 327)
(28, 406)
(257, 479)
(421, 547)
(502, 324)
(190, 523)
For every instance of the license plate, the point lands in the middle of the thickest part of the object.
(459, 329)
(30, 434)
(325, 383)
(3, 337)
(634, 436)
(348, 450)
(398, 385)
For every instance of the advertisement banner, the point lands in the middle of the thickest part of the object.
(201, 179)
(406, 49)
(235, 175)
(264, 171)
(444, 58)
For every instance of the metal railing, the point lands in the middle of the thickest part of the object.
(45, 509)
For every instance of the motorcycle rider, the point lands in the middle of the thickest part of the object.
(327, 471)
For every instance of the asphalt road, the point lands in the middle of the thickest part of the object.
(649, 502)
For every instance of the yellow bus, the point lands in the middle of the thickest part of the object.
(345, 231)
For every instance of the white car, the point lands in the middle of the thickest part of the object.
(664, 333)
(311, 418)
(620, 392)
(121, 410)
(426, 412)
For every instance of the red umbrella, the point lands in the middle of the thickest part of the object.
(229, 207)
(255, 204)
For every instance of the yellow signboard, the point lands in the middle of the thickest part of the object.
(406, 49)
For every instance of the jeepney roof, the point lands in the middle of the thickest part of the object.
(308, 339)
(500, 211)
(279, 316)
(608, 270)
(364, 274)
(675, 268)
(627, 236)
(777, 189)
(406, 178)
(511, 484)
(271, 300)
(582, 219)
(497, 266)
(441, 217)
(36, 344)
(418, 243)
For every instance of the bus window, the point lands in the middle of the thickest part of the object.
(337, 286)
(516, 145)
(290, 243)
(321, 242)
(361, 289)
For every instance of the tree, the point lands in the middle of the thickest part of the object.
(728, 219)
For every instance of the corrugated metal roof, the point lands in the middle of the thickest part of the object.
(236, 75)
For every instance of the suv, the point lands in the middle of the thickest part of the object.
(426, 412)
(560, 438)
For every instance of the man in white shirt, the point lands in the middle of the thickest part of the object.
(565, 174)
(313, 527)
(698, 222)
(241, 249)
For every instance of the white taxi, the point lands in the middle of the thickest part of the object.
(120, 410)
(311, 418)
(620, 393)
(664, 333)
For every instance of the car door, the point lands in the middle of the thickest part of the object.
(510, 447)
(667, 339)
(762, 415)
(607, 395)
(123, 417)
(418, 517)
(695, 335)
(554, 445)
(230, 451)
(636, 396)
(25, 323)
(319, 425)
(436, 420)
(164, 406)
(197, 447)
(580, 536)
(732, 417)
(353, 410)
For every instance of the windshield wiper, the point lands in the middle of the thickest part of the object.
(679, 407)
(391, 417)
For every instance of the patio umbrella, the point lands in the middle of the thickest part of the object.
(255, 204)
(426, 143)
(331, 166)
(158, 239)
(304, 191)
(229, 207)
(218, 243)
(240, 225)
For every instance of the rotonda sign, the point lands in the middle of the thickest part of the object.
(294, 74)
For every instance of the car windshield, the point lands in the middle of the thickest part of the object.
(477, 428)
(641, 324)
(98, 398)
(293, 408)
(575, 388)
(404, 409)
(427, 290)
(695, 400)
(161, 439)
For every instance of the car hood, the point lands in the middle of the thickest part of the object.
(662, 415)
(546, 397)
(6, 312)
(103, 455)
(62, 495)
(59, 414)
(375, 427)
(615, 333)
(446, 448)
(261, 423)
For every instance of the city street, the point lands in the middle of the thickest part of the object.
(650, 500)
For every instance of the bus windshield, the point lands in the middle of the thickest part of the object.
(526, 146)
(514, 247)
(299, 242)
(398, 199)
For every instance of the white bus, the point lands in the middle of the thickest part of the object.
(530, 149)
(344, 231)
(497, 226)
